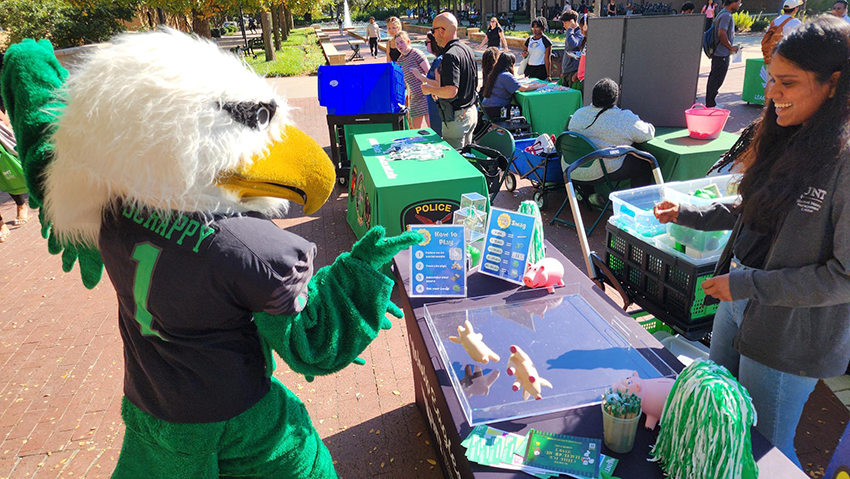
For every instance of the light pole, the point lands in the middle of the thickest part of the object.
(242, 25)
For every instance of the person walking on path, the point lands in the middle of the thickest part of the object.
(708, 10)
(724, 26)
(456, 91)
(373, 33)
(495, 36)
(412, 60)
(784, 317)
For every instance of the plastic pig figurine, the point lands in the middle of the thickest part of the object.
(652, 392)
(546, 273)
(526, 374)
(473, 344)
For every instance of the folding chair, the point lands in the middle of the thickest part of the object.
(497, 143)
(591, 260)
(356, 55)
(578, 151)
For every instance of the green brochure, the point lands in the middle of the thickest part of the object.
(561, 453)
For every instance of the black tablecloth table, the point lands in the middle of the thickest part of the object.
(441, 408)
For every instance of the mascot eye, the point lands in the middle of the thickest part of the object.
(256, 116)
(262, 117)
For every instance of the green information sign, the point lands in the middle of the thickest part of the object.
(395, 193)
(755, 80)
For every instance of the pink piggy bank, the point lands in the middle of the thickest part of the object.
(546, 273)
(652, 392)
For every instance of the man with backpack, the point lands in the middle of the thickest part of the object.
(779, 27)
(723, 34)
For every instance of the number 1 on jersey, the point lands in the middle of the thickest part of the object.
(145, 254)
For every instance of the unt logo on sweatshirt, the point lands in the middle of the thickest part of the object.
(811, 200)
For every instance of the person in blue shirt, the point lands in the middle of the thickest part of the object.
(501, 84)
(573, 43)
(433, 112)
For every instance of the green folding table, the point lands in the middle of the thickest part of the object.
(397, 193)
(548, 112)
(755, 79)
(682, 157)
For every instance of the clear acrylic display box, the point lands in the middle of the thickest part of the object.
(576, 341)
(474, 222)
(476, 201)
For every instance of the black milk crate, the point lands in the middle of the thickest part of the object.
(666, 286)
(336, 131)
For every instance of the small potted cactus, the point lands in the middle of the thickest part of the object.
(620, 415)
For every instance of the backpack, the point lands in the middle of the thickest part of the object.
(709, 43)
(771, 37)
(710, 40)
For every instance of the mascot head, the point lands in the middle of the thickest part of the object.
(169, 122)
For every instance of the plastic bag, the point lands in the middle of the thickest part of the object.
(545, 144)
(520, 70)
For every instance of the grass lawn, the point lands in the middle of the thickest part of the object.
(555, 37)
(298, 55)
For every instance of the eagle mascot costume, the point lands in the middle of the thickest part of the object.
(163, 158)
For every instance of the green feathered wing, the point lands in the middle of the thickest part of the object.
(30, 81)
(346, 309)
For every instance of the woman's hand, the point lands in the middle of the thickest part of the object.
(718, 287)
(418, 74)
(667, 211)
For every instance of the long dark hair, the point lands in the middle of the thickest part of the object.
(505, 63)
(605, 94)
(488, 59)
(787, 159)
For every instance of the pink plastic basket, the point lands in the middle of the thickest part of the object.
(705, 123)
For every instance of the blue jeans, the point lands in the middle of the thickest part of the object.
(778, 397)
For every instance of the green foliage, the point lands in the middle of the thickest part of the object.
(743, 21)
(760, 24)
(380, 14)
(555, 37)
(65, 23)
(300, 54)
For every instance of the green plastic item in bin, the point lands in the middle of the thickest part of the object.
(474, 255)
(538, 251)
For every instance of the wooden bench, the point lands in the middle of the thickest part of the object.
(332, 55)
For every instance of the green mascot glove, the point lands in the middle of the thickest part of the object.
(31, 79)
(346, 309)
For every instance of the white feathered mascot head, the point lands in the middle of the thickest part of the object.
(168, 122)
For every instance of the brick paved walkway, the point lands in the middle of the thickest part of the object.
(61, 362)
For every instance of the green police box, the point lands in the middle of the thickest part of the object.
(397, 193)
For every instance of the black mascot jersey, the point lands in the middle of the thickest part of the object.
(201, 345)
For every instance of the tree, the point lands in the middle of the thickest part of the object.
(66, 23)
(199, 10)
(271, 53)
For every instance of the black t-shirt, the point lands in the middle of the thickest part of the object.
(493, 38)
(751, 247)
(186, 289)
(459, 69)
(394, 54)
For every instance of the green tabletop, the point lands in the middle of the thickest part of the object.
(397, 193)
(755, 80)
(548, 112)
(682, 157)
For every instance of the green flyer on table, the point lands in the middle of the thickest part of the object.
(562, 453)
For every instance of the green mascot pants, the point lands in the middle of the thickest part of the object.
(273, 439)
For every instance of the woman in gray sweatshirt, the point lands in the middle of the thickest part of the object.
(784, 277)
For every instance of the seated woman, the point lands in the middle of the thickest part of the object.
(500, 85)
(488, 61)
(606, 125)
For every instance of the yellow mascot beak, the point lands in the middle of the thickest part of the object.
(295, 168)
